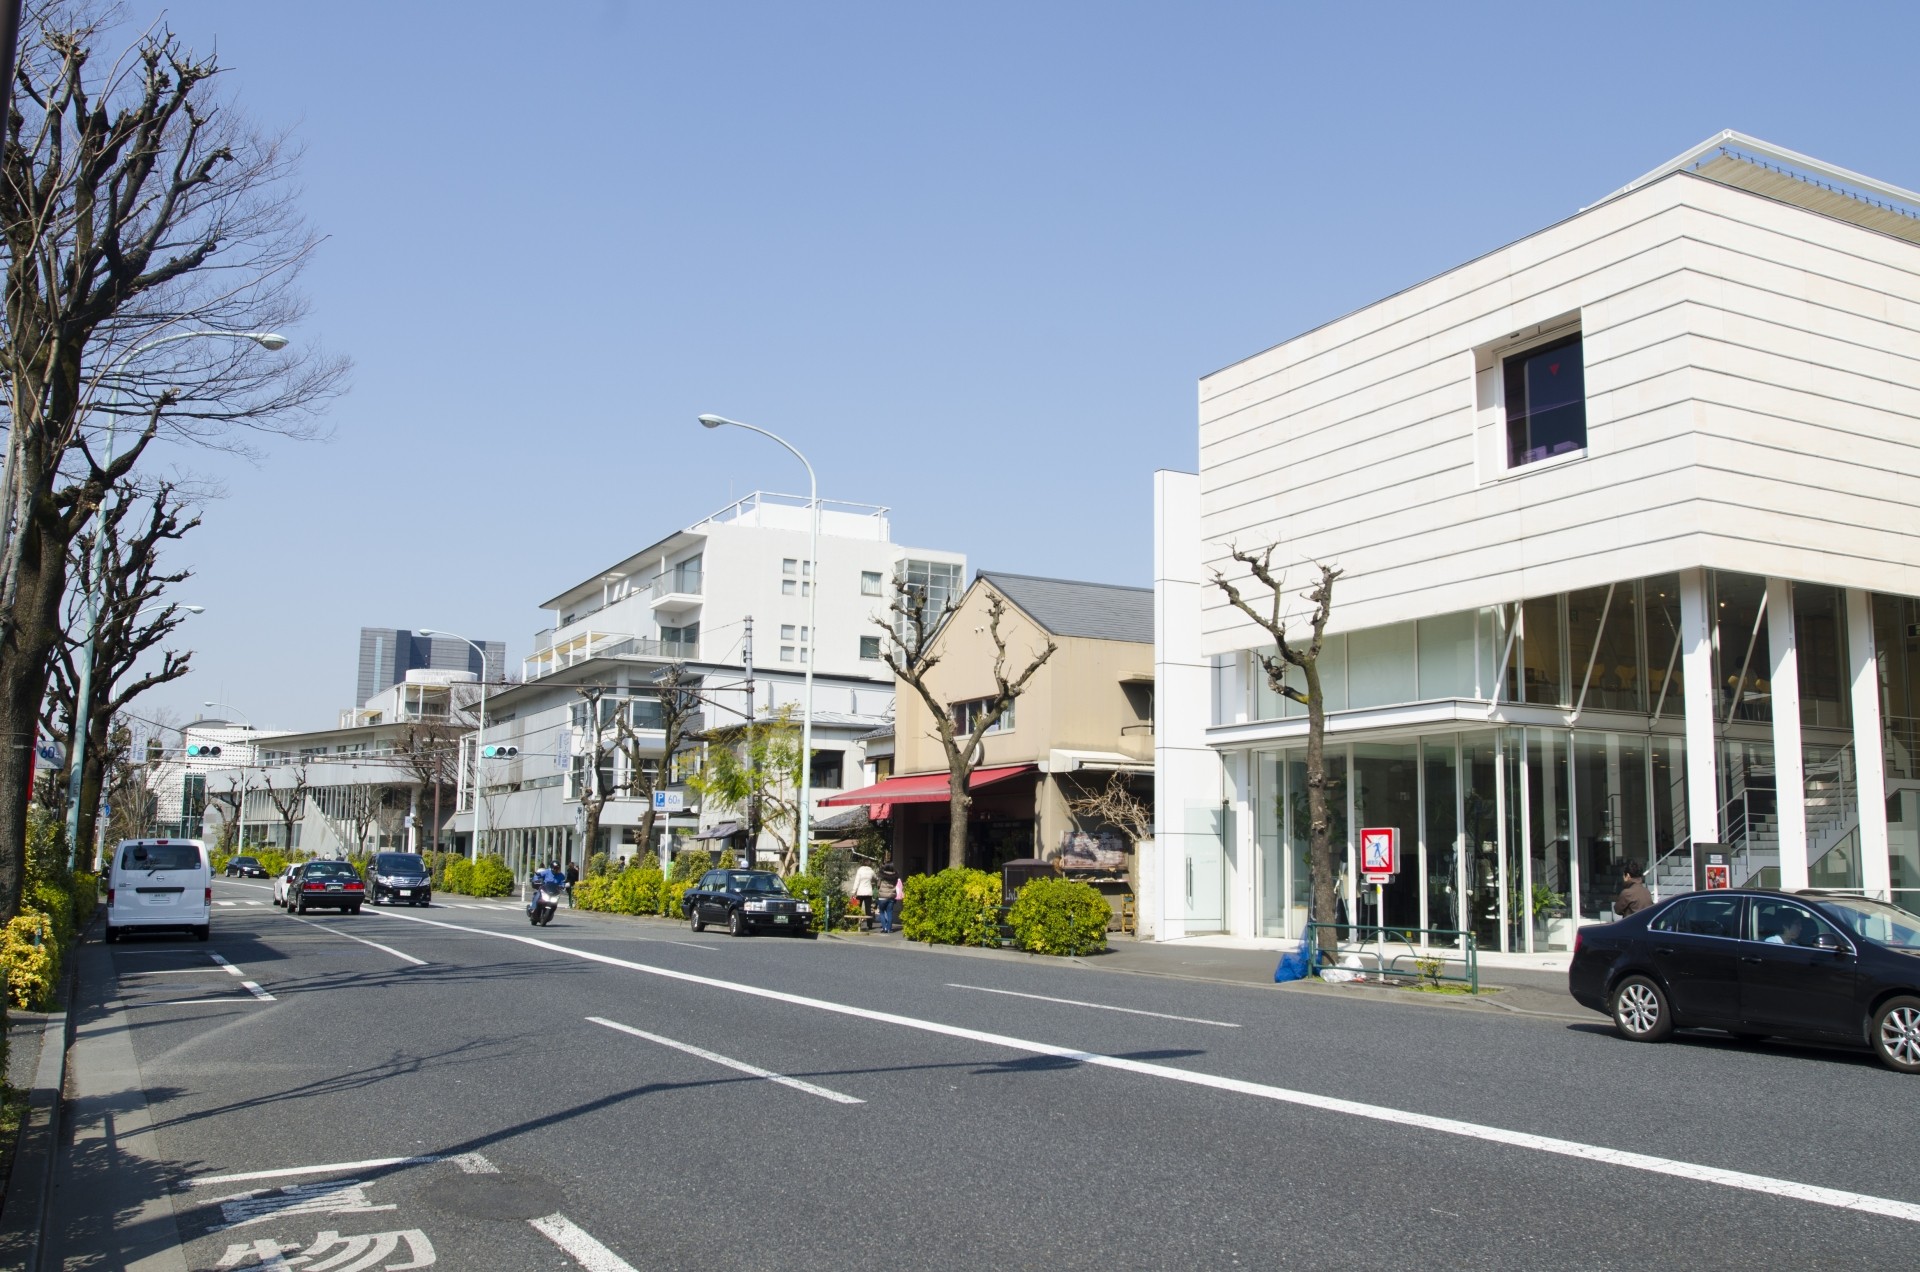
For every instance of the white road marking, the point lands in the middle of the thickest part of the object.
(170, 971)
(384, 949)
(587, 1252)
(1075, 1002)
(334, 1197)
(1814, 1193)
(229, 966)
(258, 992)
(823, 1092)
(190, 1002)
(474, 1164)
(331, 1168)
(226, 903)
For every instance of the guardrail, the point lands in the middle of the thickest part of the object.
(1381, 943)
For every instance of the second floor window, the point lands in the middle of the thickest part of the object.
(967, 714)
(1546, 400)
(870, 648)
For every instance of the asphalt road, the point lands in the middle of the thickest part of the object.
(456, 1089)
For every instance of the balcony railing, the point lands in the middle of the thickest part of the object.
(605, 645)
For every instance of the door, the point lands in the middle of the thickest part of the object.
(1798, 973)
(1696, 949)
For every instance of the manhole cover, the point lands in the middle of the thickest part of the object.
(492, 1196)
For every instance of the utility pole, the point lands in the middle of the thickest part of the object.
(753, 762)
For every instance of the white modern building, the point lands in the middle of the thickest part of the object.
(188, 784)
(735, 584)
(1628, 514)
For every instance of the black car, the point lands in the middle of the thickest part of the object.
(399, 876)
(746, 901)
(1758, 964)
(334, 885)
(244, 868)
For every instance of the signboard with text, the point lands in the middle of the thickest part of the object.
(669, 801)
(1379, 853)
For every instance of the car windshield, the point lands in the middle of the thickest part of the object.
(757, 883)
(245, 861)
(1876, 921)
(399, 863)
(329, 870)
(160, 857)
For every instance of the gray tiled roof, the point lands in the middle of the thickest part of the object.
(1100, 611)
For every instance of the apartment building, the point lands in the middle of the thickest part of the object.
(1630, 531)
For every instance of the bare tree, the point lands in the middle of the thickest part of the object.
(1279, 666)
(134, 205)
(290, 800)
(603, 711)
(351, 810)
(124, 578)
(429, 753)
(911, 655)
(232, 803)
(677, 708)
(1117, 806)
(756, 766)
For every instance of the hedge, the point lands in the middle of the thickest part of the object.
(955, 907)
(55, 905)
(1059, 916)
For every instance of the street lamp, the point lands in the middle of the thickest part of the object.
(223, 706)
(811, 581)
(479, 740)
(83, 692)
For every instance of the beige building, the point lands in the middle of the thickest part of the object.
(1086, 714)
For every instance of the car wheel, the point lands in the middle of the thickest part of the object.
(693, 917)
(296, 907)
(111, 935)
(1640, 1010)
(737, 924)
(203, 932)
(353, 909)
(1896, 1034)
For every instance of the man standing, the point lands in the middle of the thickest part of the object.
(1634, 896)
(573, 877)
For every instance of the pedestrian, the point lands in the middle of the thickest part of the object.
(1634, 896)
(573, 877)
(863, 892)
(889, 896)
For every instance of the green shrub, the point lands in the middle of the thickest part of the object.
(31, 959)
(271, 860)
(1059, 916)
(691, 865)
(86, 895)
(954, 907)
(219, 860)
(595, 892)
(596, 867)
(670, 893)
(807, 888)
(56, 903)
(727, 860)
(456, 875)
(636, 891)
(489, 877)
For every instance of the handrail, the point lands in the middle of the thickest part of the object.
(1467, 948)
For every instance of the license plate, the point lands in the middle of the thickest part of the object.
(779, 918)
(336, 887)
(406, 892)
(164, 898)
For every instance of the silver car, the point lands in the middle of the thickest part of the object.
(280, 883)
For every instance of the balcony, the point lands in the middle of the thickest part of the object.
(674, 592)
(584, 645)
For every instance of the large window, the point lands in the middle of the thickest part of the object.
(1546, 400)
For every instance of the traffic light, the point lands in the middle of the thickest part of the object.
(492, 752)
(202, 750)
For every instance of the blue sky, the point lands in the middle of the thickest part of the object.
(971, 259)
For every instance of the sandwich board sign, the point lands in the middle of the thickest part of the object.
(1379, 853)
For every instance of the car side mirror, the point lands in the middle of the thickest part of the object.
(1831, 943)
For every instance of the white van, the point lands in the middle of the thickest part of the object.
(159, 883)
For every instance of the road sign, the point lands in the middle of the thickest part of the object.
(1379, 853)
(669, 801)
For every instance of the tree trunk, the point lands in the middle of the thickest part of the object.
(1319, 824)
(959, 801)
(26, 647)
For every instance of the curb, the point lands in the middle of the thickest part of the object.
(29, 1200)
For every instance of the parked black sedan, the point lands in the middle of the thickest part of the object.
(399, 876)
(746, 901)
(334, 885)
(1757, 964)
(245, 868)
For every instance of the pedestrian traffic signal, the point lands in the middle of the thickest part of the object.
(491, 752)
(202, 750)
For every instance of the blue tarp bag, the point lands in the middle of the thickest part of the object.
(1295, 964)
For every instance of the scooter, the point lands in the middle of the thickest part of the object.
(546, 899)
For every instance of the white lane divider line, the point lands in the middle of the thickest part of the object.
(586, 1251)
(254, 989)
(226, 903)
(741, 1065)
(1075, 1002)
(384, 949)
(190, 1002)
(1741, 1180)
(474, 1164)
(331, 1168)
(231, 969)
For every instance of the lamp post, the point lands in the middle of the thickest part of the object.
(239, 810)
(479, 741)
(811, 582)
(273, 342)
(223, 706)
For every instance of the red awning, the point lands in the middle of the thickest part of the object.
(924, 788)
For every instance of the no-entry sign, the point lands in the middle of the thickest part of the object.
(1379, 853)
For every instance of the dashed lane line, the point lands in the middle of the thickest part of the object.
(1740, 1180)
(384, 949)
(742, 1066)
(586, 1251)
(1075, 1002)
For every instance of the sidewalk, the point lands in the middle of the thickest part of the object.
(1521, 990)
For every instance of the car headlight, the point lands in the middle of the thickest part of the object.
(755, 907)
(804, 908)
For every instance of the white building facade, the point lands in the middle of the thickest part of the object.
(736, 583)
(1628, 514)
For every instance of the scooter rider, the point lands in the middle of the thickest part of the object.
(547, 876)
